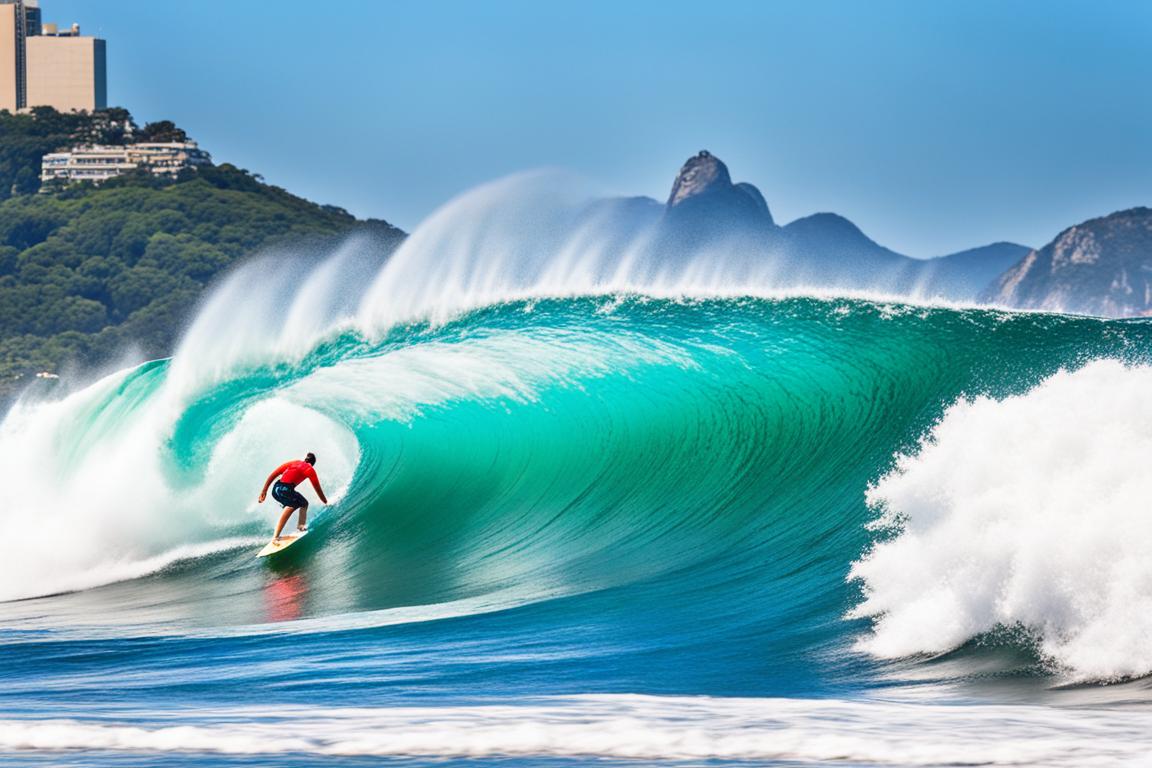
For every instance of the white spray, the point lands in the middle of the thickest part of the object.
(1034, 511)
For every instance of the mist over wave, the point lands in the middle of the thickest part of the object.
(546, 234)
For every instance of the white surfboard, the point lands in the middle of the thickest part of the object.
(273, 547)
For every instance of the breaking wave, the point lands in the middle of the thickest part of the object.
(515, 411)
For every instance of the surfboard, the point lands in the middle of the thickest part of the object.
(273, 547)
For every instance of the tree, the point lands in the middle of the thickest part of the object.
(164, 130)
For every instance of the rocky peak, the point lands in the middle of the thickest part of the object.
(702, 173)
(704, 188)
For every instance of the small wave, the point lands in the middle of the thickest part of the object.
(629, 727)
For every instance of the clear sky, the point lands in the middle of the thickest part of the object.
(934, 126)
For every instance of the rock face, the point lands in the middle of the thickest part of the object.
(705, 211)
(699, 176)
(704, 183)
(1100, 267)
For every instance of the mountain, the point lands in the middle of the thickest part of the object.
(704, 186)
(827, 249)
(966, 275)
(706, 211)
(1100, 267)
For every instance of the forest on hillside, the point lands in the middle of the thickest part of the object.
(86, 270)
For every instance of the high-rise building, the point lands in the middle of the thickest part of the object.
(18, 20)
(10, 80)
(42, 66)
(66, 71)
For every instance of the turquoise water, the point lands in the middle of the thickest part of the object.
(613, 527)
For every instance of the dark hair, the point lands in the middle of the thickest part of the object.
(310, 458)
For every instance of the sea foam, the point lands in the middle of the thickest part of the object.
(627, 727)
(1030, 512)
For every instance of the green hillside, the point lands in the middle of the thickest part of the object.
(86, 271)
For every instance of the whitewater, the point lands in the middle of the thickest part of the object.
(588, 502)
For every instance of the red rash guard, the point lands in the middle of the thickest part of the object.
(294, 472)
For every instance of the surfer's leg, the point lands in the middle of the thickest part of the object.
(303, 521)
(283, 519)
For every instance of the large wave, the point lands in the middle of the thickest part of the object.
(516, 407)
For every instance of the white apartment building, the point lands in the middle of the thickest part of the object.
(98, 163)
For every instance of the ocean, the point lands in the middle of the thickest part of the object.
(669, 517)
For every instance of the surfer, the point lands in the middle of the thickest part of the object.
(291, 474)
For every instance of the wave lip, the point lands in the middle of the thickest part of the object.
(1029, 512)
(630, 727)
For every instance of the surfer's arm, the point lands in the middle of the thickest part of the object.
(275, 474)
(316, 484)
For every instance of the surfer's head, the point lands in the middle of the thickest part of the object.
(310, 458)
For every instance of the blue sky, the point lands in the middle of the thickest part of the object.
(934, 126)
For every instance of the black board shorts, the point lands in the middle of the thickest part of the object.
(288, 496)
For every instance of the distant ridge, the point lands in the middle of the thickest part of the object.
(970, 272)
(706, 210)
(1102, 266)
